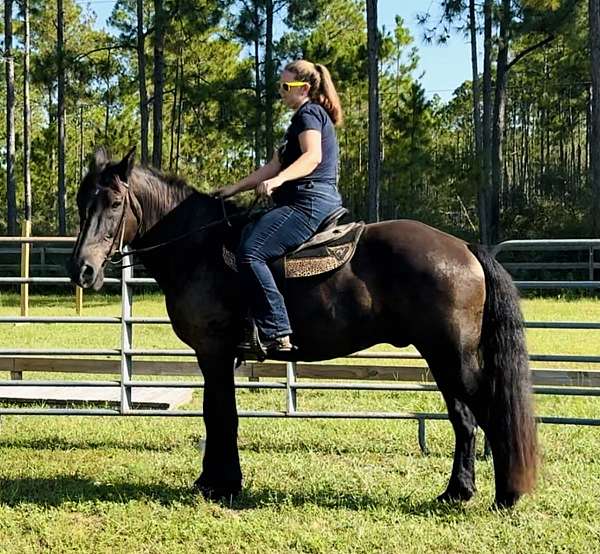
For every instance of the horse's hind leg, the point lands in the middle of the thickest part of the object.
(461, 486)
(453, 374)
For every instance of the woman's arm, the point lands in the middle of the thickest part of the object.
(263, 173)
(310, 144)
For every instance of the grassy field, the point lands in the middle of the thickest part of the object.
(75, 484)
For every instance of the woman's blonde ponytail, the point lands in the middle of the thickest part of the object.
(328, 96)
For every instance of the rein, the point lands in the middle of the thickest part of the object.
(119, 256)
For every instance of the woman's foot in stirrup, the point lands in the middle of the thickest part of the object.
(278, 345)
(250, 343)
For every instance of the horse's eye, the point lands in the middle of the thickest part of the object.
(116, 204)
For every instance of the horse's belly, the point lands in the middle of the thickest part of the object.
(335, 317)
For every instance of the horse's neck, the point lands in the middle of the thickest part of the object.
(168, 213)
(156, 197)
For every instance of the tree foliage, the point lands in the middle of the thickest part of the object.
(218, 89)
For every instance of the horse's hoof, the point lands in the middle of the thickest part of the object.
(223, 491)
(451, 497)
(506, 501)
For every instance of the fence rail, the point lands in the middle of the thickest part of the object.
(383, 378)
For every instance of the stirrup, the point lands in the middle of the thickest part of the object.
(251, 343)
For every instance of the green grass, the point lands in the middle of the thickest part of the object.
(90, 484)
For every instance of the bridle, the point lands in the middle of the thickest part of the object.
(116, 257)
(122, 225)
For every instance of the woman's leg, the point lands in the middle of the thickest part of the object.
(277, 232)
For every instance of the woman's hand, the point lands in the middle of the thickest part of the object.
(266, 188)
(225, 192)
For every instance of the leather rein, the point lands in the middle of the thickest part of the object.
(115, 258)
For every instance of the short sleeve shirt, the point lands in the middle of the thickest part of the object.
(312, 116)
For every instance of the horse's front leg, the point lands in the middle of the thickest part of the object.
(221, 476)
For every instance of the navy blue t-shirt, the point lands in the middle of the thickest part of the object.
(311, 116)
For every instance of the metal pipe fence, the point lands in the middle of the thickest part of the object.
(290, 385)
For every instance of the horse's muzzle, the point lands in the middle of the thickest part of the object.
(85, 274)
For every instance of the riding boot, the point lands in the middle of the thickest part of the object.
(250, 343)
(278, 345)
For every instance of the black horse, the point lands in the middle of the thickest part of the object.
(407, 283)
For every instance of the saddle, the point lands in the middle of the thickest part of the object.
(330, 248)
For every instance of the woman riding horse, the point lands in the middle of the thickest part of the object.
(302, 181)
(407, 283)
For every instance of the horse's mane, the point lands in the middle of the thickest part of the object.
(161, 192)
(170, 179)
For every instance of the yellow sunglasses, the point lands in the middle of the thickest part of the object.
(288, 86)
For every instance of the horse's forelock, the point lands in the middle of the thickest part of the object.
(86, 187)
(93, 179)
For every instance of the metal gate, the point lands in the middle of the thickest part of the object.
(290, 385)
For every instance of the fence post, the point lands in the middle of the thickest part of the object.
(422, 439)
(126, 338)
(15, 375)
(487, 448)
(254, 379)
(78, 299)
(290, 381)
(25, 251)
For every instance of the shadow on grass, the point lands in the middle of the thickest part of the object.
(347, 500)
(67, 489)
(62, 489)
(348, 450)
(64, 300)
(91, 299)
(55, 443)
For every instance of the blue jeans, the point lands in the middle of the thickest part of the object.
(279, 231)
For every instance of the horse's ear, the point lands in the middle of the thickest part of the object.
(99, 160)
(125, 166)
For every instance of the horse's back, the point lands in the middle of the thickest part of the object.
(406, 281)
(413, 238)
(426, 278)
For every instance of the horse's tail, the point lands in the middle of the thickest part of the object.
(511, 424)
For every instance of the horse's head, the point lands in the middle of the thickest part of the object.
(109, 217)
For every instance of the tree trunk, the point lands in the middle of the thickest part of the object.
(51, 121)
(257, 90)
(594, 25)
(143, 100)
(484, 193)
(159, 67)
(179, 114)
(498, 120)
(477, 117)
(81, 146)
(11, 187)
(269, 79)
(26, 115)
(107, 99)
(374, 124)
(173, 122)
(588, 131)
(62, 191)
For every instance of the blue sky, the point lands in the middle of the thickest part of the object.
(443, 67)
